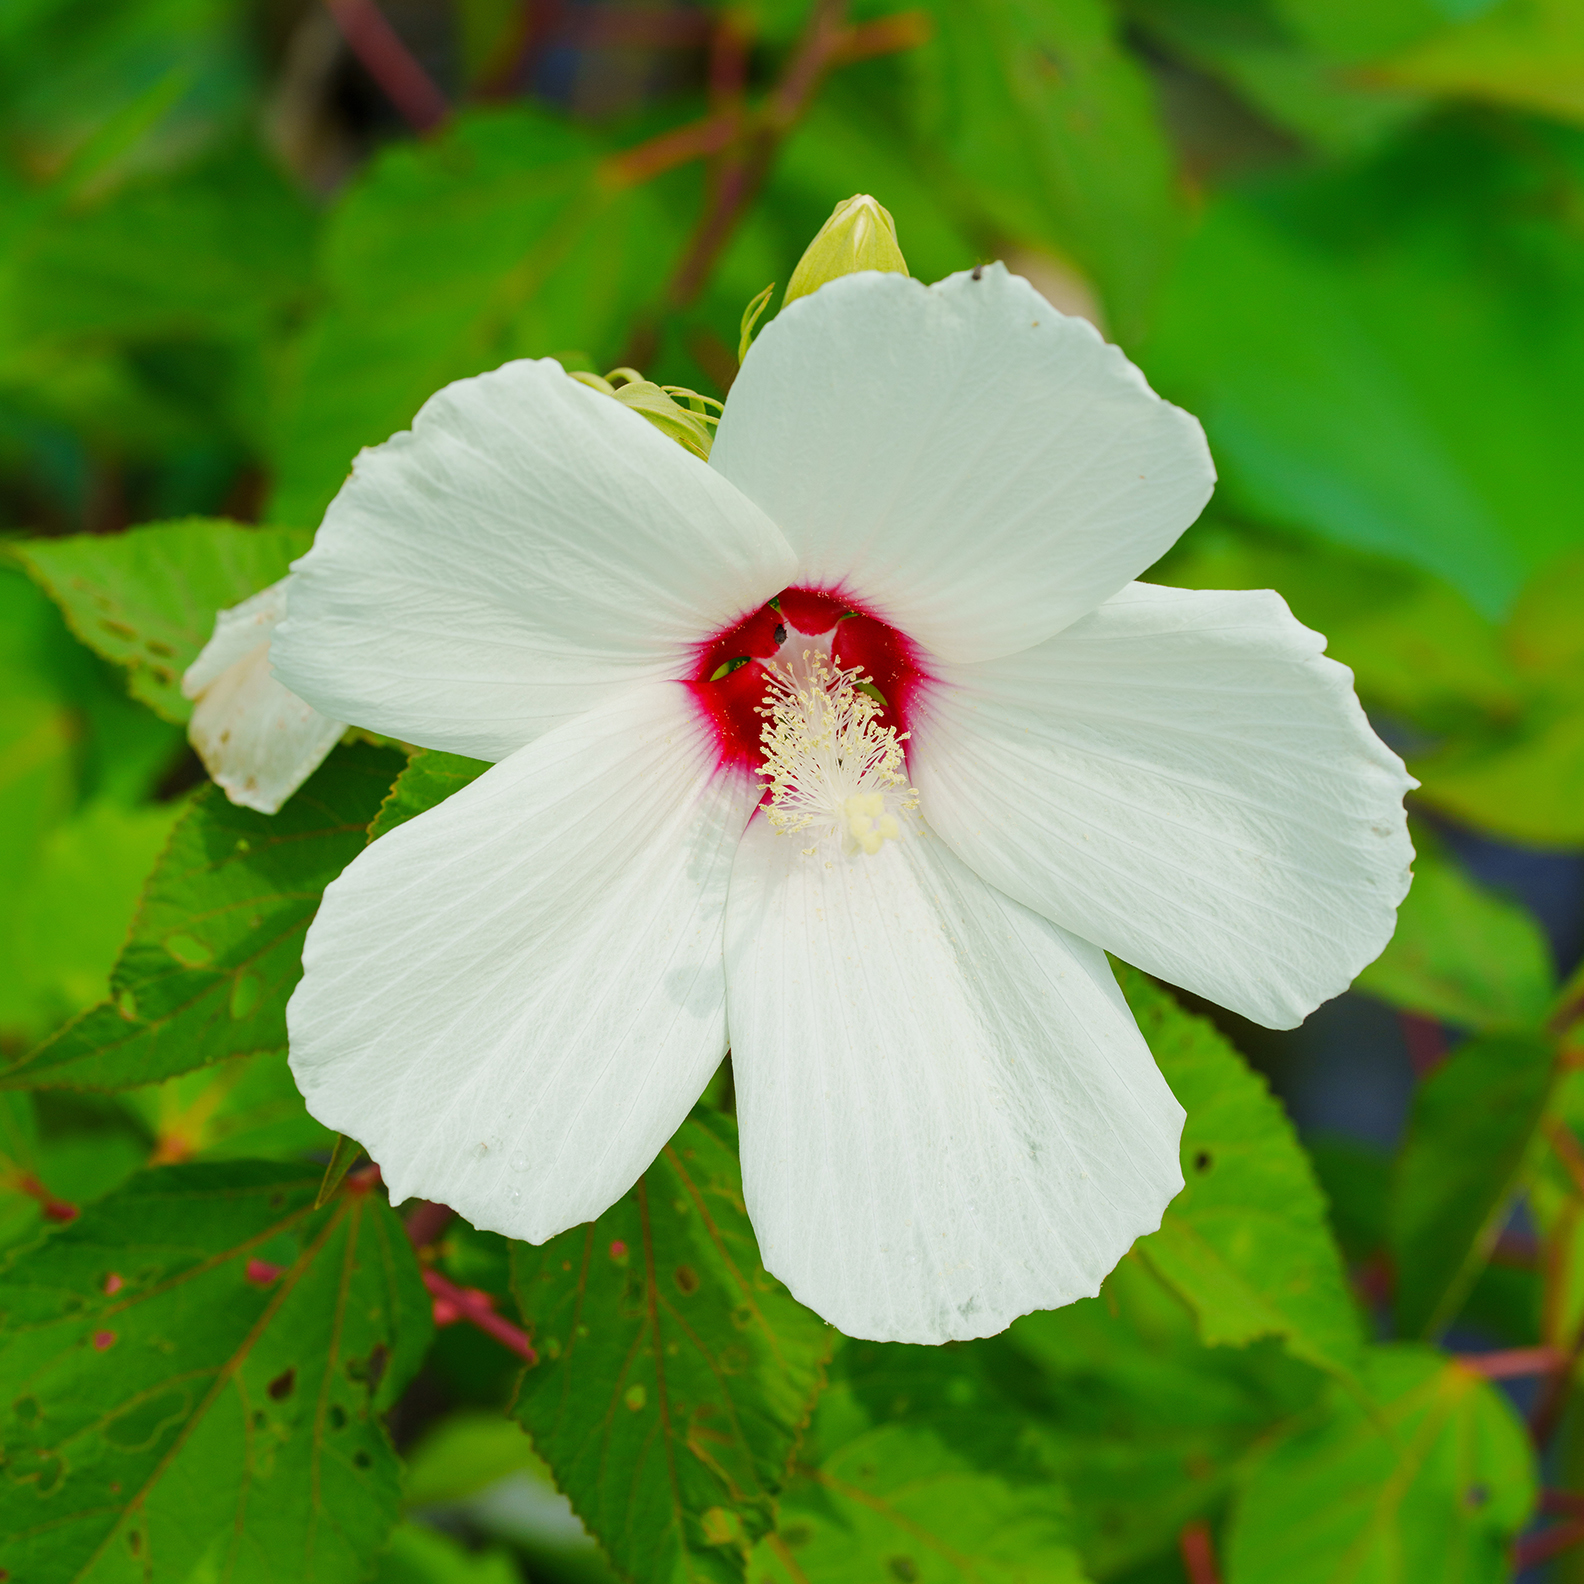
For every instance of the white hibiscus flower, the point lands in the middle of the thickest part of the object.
(922, 514)
(257, 741)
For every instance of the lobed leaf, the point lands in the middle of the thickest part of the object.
(1431, 1478)
(1246, 1243)
(216, 947)
(674, 1373)
(1144, 1425)
(196, 1369)
(899, 1502)
(430, 777)
(147, 599)
(1473, 1121)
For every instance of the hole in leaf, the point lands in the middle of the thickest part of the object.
(1203, 1161)
(245, 995)
(1476, 1495)
(361, 1459)
(281, 1387)
(337, 1417)
(189, 951)
(369, 1371)
(687, 1279)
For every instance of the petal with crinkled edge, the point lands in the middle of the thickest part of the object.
(1186, 779)
(961, 460)
(528, 549)
(258, 741)
(948, 1115)
(512, 1000)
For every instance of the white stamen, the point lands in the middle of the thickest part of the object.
(830, 768)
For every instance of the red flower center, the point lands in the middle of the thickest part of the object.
(728, 677)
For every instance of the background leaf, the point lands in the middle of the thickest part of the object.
(430, 777)
(182, 1406)
(1246, 1243)
(216, 948)
(1461, 953)
(505, 238)
(674, 1374)
(147, 599)
(1473, 1121)
(1431, 1478)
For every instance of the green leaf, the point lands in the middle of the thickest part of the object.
(1356, 1179)
(505, 237)
(421, 1555)
(1246, 1243)
(1051, 129)
(199, 1365)
(1431, 1479)
(1461, 953)
(674, 1374)
(72, 919)
(216, 947)
(430, 777)
(917, 1466)
(465, 1453)
(245, 1106)
(901, 1503)
(345, 1152)
(1521, 784)
(1473, 1121)
(1417, 648)
(1248, 49)
(1384, 355)
(147, 599)
(218, 253)
(1145, 1425)
(1527, 53)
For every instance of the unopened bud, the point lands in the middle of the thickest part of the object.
(859, 235)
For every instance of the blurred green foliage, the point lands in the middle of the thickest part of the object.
(1348, 234)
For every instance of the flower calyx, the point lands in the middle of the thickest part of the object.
(678, 413)
(860, 235)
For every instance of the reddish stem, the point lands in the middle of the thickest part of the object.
(1198, 1553)
(1514, 1363)
(427, 1222)
(1426, 1042)
(1537, 1548)
(390, 63)
(1558, 1501)
(54, 1209)
(453, 1303)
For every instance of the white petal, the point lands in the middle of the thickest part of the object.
(237, 633)
(963, 460)
(1184, 778)
(528, 549)
(258, 741)
(512, 1000)
(948, 1114)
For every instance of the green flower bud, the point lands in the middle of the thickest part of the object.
(859, 235)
